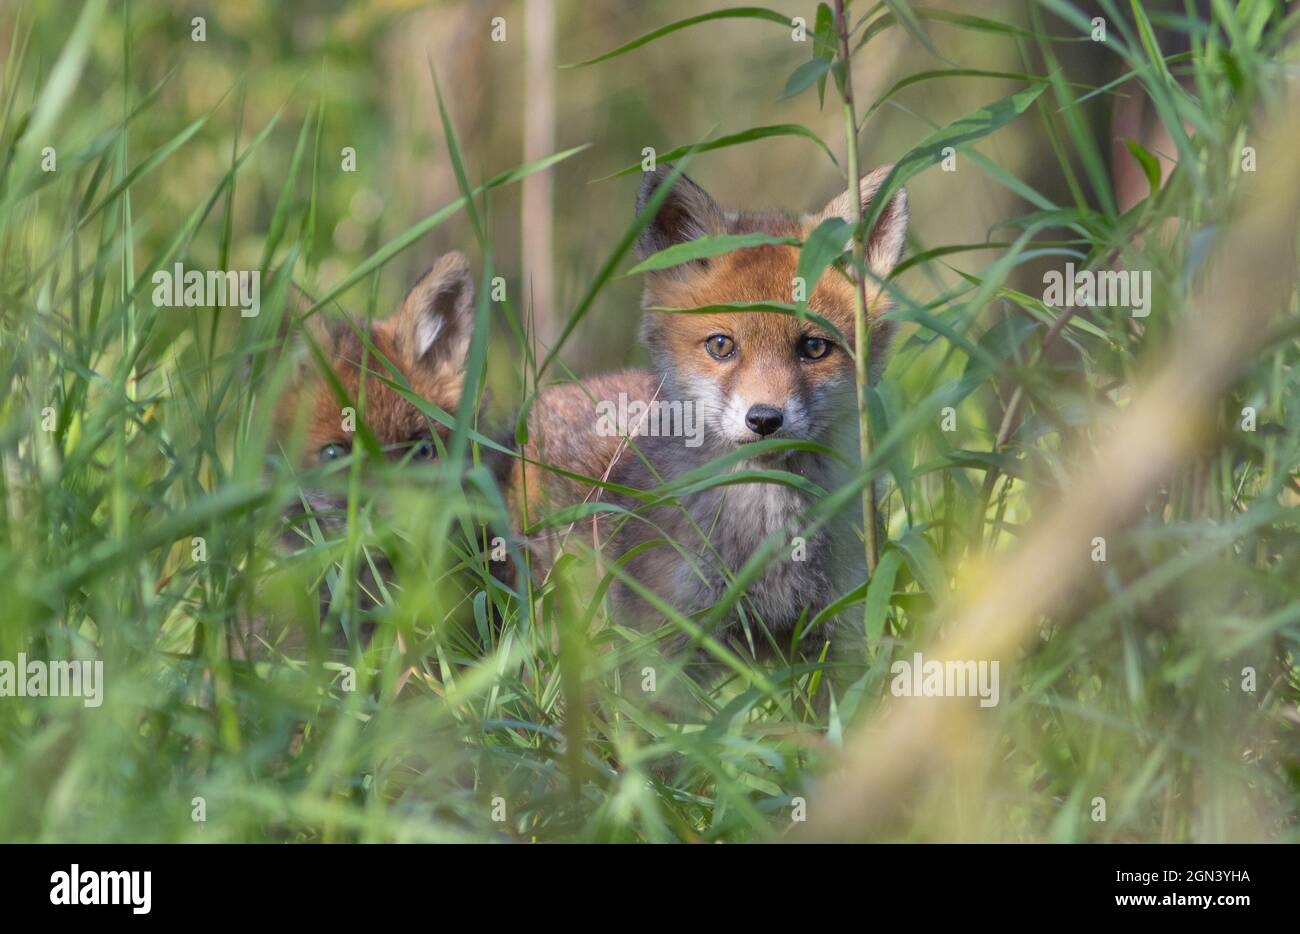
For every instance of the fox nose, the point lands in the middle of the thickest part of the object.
(764, 419)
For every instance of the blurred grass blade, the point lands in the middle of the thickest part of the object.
(418, 230)
(704, 248)
(735, 139)
(902, 11)
(748, 12)
(959, 134)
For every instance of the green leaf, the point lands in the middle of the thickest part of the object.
(719, 470)
(745, 12)
(824, 39)
(917, 259)
(804, 76)
(1009, 181)
(880, 591)
(944, 73)
(924, 563)
(705, 247)
(888, 404)
(754, 133)
(839, 605)
(823, 246)
(1150, 164)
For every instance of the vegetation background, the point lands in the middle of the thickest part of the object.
(1127, 710)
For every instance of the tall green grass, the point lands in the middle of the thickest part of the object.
(482, 712)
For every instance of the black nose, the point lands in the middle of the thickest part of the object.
(764, 419)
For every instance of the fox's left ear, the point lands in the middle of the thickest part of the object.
(432, 326)
(884, 246)
(687, 213)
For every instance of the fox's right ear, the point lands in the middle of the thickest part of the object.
(687, 213)
(433, 325)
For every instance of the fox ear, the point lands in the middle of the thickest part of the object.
(432, 326)
(884, 246)
(688, 213)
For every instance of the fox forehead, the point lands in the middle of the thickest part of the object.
(757, 274)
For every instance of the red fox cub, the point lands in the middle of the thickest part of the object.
(426, 339)
(720, 381)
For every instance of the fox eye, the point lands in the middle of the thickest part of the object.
(423, 451)
(814, 348)
(332, 452)
(719, 346)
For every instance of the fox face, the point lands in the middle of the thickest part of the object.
(426, 339)
(757, 375)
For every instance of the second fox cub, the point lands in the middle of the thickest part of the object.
(747, 376)
(426, 339)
